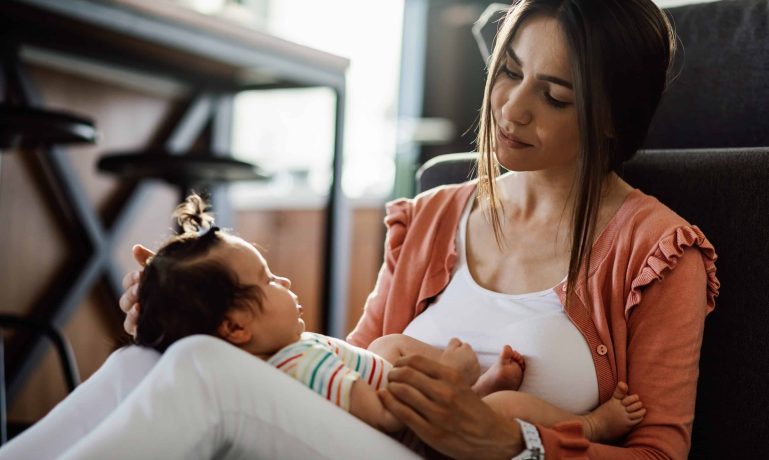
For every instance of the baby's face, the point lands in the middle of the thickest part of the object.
(279, 322)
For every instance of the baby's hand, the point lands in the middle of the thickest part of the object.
(460, 356)
(129, 301)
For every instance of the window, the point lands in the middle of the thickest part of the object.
(290, 132)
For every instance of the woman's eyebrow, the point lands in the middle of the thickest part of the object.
(540, 76)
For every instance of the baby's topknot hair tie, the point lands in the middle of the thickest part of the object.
(208, 232)
(192, 216)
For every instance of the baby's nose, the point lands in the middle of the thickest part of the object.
(285, 282)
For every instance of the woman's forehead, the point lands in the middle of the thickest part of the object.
(540, 43)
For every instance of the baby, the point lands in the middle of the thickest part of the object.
(206, 281)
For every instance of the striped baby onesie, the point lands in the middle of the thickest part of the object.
(329, 366)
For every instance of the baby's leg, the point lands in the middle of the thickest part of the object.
(394, 346)
(81, 411)
(457, 354)
(611, 420)
(505, 374)
(515, 404)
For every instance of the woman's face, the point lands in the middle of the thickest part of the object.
(532, 100)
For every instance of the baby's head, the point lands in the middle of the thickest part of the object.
(205, 281)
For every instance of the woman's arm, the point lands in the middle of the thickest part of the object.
(664, 337)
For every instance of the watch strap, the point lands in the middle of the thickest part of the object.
(534, 449)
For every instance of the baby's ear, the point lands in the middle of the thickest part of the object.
(235, 327)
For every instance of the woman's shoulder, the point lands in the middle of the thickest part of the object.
(441, 195)
(644, 219)
(431, 203)
(649, 235)
(648, 212)
(645, 231)
(651, 238)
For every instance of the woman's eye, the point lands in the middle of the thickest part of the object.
(510, 74)
(555, 102)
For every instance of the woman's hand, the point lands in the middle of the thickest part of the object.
(435, 402)
(460, 356)
(129, 301)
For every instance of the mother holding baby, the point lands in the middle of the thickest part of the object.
(591, 280)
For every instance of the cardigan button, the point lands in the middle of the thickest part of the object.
(601, 349)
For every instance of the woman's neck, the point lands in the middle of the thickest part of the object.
(537, 195)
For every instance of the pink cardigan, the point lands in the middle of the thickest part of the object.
(651, 283)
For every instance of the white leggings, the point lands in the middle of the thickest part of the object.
(202, 399)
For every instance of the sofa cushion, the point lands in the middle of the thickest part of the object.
(721, 95)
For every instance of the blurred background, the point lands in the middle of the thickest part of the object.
(334, 103)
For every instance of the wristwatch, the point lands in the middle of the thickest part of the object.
(534, 449)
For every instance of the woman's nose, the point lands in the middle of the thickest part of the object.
(516, 107)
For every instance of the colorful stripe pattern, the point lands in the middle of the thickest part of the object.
(329, 366)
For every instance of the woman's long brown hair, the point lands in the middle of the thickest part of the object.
(620, 52)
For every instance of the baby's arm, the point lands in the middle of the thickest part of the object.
(366, 405)
(611, 420)
(363, 373)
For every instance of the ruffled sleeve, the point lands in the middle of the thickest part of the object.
(665, 257)
(417, 260)
(371, 324)
(397, 221)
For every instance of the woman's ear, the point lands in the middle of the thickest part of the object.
(236, 326)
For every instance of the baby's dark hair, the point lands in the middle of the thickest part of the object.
(182, 291)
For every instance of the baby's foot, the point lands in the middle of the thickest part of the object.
(505, 374)
(614, 418)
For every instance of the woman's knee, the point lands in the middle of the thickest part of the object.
(132, 356)
(206, 356)
(121, 372)
(198, 348)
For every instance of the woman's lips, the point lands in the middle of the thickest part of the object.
(511, 141)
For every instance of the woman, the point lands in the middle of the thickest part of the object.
(572, 88)
(592, 280)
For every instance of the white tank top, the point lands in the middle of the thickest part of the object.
(559, 366)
